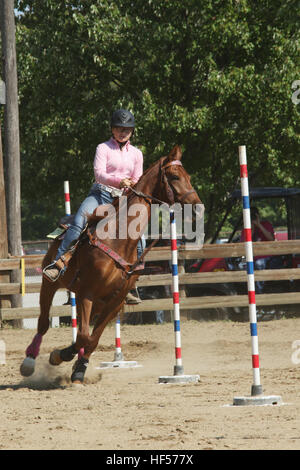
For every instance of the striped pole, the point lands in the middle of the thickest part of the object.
(118, 352)
(72, 295)
(118, 361)
(256, 387)
(67, 198)
(256, 398)
(179, 376)
(178, 368)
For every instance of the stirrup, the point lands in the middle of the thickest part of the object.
(51, 266)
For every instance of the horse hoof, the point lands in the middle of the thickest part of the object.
(27, 366)
(77, 383)
(55, 358)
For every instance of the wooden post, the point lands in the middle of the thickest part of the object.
(4, 276)
(3, 224)
(11, 137)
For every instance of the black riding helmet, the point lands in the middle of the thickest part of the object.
(122, 118)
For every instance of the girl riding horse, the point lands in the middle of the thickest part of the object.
(101, 274)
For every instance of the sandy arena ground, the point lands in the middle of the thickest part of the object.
(127, 409)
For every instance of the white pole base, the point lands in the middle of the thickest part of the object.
(258, 400)
(179, 379)
(118, 365)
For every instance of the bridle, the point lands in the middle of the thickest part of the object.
(169, 189)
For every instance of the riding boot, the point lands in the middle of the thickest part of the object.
(54, 270)
(132, 299)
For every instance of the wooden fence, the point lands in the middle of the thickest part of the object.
(290, 247)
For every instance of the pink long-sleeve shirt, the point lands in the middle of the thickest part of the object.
(112, 165)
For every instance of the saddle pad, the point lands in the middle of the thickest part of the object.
(56, 233)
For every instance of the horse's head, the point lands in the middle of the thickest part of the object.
(175, 181)
(166, 181)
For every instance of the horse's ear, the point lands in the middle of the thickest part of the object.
(175, 153)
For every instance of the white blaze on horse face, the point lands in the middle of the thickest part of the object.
(106, 227)
(138, 224)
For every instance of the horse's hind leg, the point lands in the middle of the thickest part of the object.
(46, 296)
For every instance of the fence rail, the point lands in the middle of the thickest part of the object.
(290, 247)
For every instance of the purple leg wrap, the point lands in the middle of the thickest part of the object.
(34, 348)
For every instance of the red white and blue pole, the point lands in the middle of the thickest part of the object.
(118, 361)
(256, 387)
(72, 295)
(118, 351)
(178, 368)
(257, 397)
(179, 376)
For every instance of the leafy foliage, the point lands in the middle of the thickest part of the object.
(208, 75)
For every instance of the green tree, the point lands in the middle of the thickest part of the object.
(209, 75)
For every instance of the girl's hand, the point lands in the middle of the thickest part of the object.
(126, 183)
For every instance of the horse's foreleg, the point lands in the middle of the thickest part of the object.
(46, 296)
(81, 364)
(82, 341)
(84, 307)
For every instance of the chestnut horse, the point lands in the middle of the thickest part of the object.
(99, 282)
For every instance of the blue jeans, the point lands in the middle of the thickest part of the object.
(159, 314)
(95, 198)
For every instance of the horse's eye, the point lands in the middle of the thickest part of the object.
(174, 177)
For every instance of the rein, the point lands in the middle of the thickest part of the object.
(146, 196)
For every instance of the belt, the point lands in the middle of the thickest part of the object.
(115, 192)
